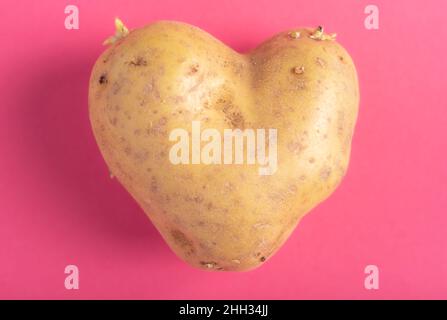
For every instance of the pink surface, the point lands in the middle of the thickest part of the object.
(58, 205)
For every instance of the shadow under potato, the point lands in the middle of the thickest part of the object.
(57, 137)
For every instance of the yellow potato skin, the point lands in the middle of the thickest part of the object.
(167, 74)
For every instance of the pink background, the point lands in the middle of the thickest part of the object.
(59, 207)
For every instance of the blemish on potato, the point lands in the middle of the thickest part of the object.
(300, 84)
(228, 187)
(312, 160)
(154, 185)
(141, 156)
(193, 198)
(116, 87)
(325, 173)
(293, 188)
(296, 147)
(261, 225)
(298, 70)
(193, 69)
(235, 119)
(277, 196)
(209, 265)
(294, 34)
(177, 99)
(162, 121)
(262, 259)
(238, 68)
(138, 61)
(340, 122)
(321, 62)
(103, 79)
(182, 241)
(113, 121)
(158, 128)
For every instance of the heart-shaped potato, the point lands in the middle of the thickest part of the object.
(155, 83)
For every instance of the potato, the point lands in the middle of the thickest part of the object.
(158, 89)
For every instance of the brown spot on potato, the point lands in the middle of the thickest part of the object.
(162, 121)
(138, 61)
(113, 121)
(143, 102)
(116, 87)
(193, 69)
(154, 185)
(233, 117)
(193, 198)
(325, 173)
(103, 79)
(141, 156)
(177, 99)
(300, 84)
(340, 122)
(183, 241)
(158, 128)
(296, 147)
(262, 259)
(312, 160)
